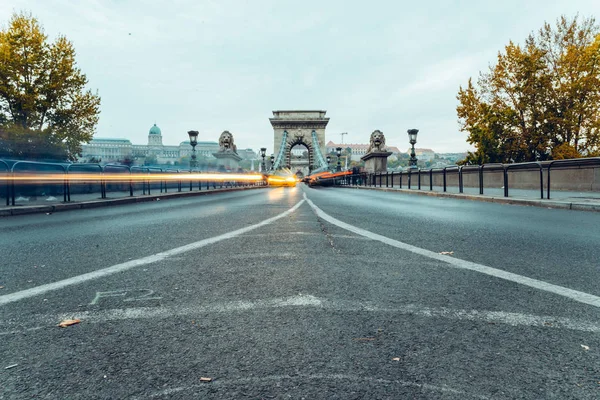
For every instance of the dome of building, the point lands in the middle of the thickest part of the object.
(155, 130)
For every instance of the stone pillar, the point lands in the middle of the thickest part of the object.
(230, 161)
(227, 156)
(377, 154)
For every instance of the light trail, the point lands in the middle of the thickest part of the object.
(90, 177)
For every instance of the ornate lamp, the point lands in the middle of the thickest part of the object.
(263, 152)
(412, 139)
(338, 151)
(193, 142)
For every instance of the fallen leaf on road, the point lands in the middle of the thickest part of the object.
(205, 379)
(446, 253)
(69, 322)
(396, 359)
(586, 348)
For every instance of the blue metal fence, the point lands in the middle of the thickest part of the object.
(13, 182)
(389, 179)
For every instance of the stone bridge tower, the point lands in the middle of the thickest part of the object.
(305, 128)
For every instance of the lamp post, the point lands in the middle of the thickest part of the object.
(263, 152)
(338, 151)
(328, 161)
(193, 141)
(412, 139)
(272, 161)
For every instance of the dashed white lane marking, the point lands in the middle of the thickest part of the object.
(272, 379)
(35, 291)
(576, 295)
(307, 301)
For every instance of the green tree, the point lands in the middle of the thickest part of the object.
(150, 159)
(538, 98)
(128, 160)
(43, 100)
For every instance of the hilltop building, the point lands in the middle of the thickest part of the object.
(110, 150)
(358, 150)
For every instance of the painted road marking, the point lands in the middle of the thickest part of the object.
(308, 301)
(576, 295)
(271, 380)
(35, 291)
(127, 294)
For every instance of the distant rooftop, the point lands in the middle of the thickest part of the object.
(199, 143)
(112, 140)
(155, 130)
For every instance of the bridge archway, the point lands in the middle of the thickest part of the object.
(298, 156)
(299, 128)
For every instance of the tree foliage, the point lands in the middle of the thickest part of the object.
(540, 101)
(45, 110)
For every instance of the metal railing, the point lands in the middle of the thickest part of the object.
(539, 168)
(16, 179)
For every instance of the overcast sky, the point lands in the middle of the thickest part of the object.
(226, 65)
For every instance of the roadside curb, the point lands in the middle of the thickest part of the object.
(22, 210)
(499, 200)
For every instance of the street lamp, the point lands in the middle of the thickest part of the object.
(272, 161)
(193, 141)
(263, 152)
(328, 161)
(338, 151)
(412, 139)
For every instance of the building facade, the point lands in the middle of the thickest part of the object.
(358, 150)
(112, 150)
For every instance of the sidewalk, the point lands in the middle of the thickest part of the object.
(582, 201)
(55, 203)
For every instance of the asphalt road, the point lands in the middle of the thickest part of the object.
(301, 293)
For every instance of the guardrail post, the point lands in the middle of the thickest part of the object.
(400, 183)
(541, 181)
(548, 188)
(67, 187)
(386, 179)
(419, 178)
(409, 177)
(431, 179)
(444, 179)
(392, 178)
(505, 169)
(481, 179)
(460, 179)
(12, 185)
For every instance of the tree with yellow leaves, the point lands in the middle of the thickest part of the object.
(45, 110)
(540, 101)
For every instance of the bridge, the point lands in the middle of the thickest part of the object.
(313, 291)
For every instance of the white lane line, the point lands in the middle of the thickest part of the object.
(306, 301)
(280, 234)
(270, 380)
(576, 295)
(35, 291)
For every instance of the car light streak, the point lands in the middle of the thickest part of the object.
(88, 177)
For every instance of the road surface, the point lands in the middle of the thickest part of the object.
(301, 293)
